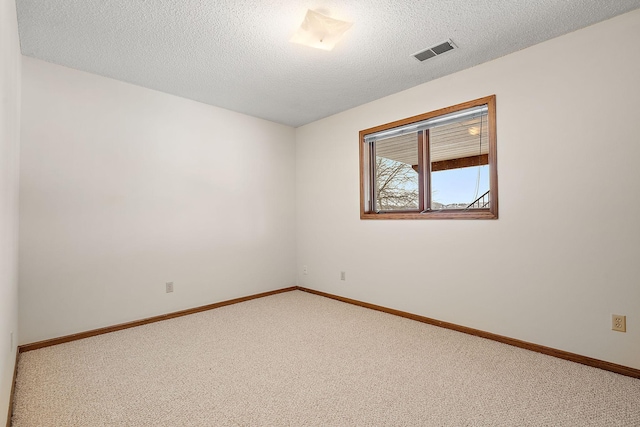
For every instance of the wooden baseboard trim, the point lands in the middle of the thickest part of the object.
(13, 389)
(596, 363)
(106, 330)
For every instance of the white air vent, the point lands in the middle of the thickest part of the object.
(433, 51)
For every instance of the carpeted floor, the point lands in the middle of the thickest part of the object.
(296, 359)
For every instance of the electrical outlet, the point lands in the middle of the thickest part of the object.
(618, 323)
(305, 271)
(343, 275)
(169, 287)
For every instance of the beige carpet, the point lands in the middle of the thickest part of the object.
(297, 359)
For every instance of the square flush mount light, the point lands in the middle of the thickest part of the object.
(320, 31)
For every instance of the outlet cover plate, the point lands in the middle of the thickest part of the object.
(169, 287)
(618, 323)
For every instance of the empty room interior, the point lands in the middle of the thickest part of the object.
(287, 213)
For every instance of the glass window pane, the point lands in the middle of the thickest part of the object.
(459, 188)
(397, 173)
(460, 165)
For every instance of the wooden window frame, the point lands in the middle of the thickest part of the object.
(367, 159)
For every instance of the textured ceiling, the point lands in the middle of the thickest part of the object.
(236, 54)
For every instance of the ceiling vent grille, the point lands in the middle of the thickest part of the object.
(434, 51)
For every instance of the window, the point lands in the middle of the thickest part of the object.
(440, 164)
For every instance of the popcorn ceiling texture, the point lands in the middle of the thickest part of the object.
(236, 54)
(296, 359)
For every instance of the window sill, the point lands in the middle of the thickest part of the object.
(441, 214)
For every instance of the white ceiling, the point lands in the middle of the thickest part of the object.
(236, 54)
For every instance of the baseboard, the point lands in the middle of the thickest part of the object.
(13, 388)
(106, 330)
(596, 363)
(589, 361)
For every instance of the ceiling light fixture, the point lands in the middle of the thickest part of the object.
(320, 31)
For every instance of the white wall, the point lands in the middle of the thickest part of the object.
(124, 188)
(9, 141)
(564, 254)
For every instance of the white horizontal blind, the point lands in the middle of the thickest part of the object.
(445, 119)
